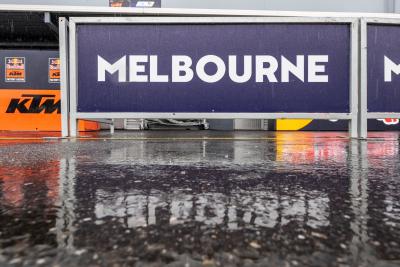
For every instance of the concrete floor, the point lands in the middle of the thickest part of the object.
(199, 198)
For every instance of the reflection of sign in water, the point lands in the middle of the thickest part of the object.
(378, 151)
(54, 70)
(387, 124)
(259, 208)
(135, 3)
(311, 149)
(15, 178)
(15, 69)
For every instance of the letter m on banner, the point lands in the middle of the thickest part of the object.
(104, 66)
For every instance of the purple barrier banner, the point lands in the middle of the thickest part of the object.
(214, 68)
(383, 61)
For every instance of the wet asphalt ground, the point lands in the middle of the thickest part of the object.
(201, 199)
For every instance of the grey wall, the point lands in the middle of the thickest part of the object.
(58, 2)
(299, 5)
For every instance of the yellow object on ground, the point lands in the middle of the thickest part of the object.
(291, 124)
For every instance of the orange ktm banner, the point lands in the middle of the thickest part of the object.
(34, 110)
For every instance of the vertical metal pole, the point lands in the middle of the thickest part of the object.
(112, 127)
(362, 106)
(63, 39)
(205, 124)
(354, 84)
(142, 124)
(73, 80)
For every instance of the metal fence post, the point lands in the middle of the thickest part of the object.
(362, 105)
(64, 89)
(72, 80)
(354, 84)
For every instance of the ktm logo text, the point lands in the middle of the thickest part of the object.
(34, 104)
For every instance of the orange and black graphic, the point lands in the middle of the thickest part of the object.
(54, 70)
(34, 110)
(15, 69)
(34, 104)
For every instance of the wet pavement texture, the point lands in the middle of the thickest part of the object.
(202, 199)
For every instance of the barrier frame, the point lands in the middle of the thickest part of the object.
(72, 78)
(64, 80)
(364, 115)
